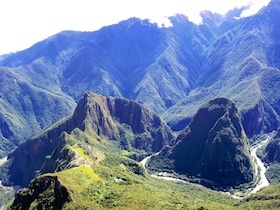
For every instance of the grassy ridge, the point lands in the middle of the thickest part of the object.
(114, 185)
(118, 182)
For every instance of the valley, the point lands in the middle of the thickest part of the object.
(259, 167)
(260, 170)
(138, 116)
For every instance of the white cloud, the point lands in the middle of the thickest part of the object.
(24, 23)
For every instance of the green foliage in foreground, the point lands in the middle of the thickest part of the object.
(117, 187)
(266, 198)
(5, 195)
(118, 182)
(273, 174)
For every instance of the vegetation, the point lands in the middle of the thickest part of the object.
(273, 174)
(213, 148)
(113, 185)
(6, 195)
(172, 71)
(266, 198)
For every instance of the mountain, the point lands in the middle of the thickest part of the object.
(172, 71)
(26, 107)
(94, 174)
(272, 152)
(134, 59)
(242, 64)
(98, 124)
(213, 147)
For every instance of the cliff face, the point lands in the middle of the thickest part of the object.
(262, 117)
(96, 118)
(272, 151)
(43, 193)
(214, 147)
(108, 116)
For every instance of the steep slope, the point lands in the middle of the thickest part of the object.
(213, 147)
(271, 153)
(128, 59)
(242, 65)
(134, 59)
(98, 124)
(271, 156)
(26, 107)
(44, 193)
(172, 71)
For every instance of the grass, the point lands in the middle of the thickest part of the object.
(118, 182)
(5, 196)
(96, 188)
(266, 198)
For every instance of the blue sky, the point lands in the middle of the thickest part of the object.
(23, 23)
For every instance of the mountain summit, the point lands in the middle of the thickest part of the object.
(98, 124)
(172, 71)
(213, 147)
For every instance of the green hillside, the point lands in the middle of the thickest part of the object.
(213, 148)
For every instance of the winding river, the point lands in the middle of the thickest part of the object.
(260, 170)
(263, 182)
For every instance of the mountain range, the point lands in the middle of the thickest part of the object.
(98, 123)
(79, 110)
(84, 161)
(172, 71)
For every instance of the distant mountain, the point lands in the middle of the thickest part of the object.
(99, 124)
(242, 64)
(213, 147)
(133, 59)
(172, 71)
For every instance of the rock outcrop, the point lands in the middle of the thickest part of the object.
(96, 118)
(44, 192)
(213, 147)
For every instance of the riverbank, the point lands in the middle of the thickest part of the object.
(7, 190)
(260, 170)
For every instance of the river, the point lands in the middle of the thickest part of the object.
(260, 170)
(13, 188)
(263, 182)
(7, 188)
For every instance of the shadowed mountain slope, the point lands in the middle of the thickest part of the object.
(213, 147)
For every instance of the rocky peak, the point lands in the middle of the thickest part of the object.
(213, 147)
(102, 115)
(129, 124)
(42, 187)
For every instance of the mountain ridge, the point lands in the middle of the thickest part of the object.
(98, 122)
(172, 71)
